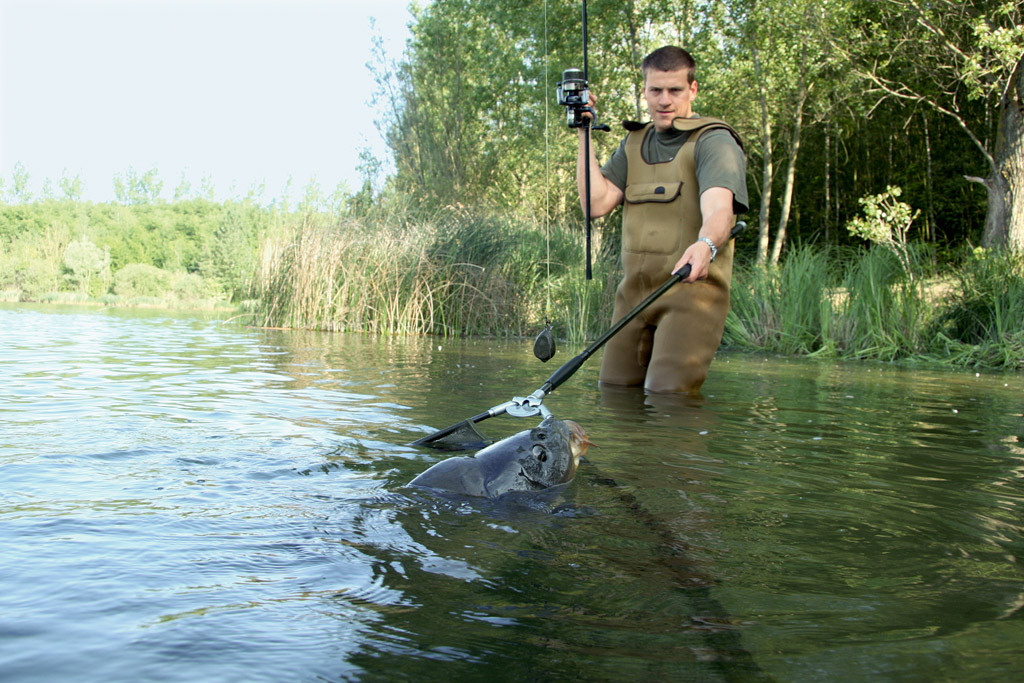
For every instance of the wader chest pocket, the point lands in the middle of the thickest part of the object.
(649, 224)
(642, 193)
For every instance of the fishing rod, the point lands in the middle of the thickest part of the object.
(574, 94)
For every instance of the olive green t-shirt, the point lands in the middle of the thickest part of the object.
(719, 161)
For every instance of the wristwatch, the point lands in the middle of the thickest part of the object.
(714, 249)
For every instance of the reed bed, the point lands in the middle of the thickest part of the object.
(458, 273)
(786, 309)
(983, 322)
(866, 305)
(451, 274)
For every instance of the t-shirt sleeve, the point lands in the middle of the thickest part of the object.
(616, 166)
(721, 163)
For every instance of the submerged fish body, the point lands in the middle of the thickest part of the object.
(533, 459)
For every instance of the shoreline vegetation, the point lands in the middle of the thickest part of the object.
(884, 140)
(456, 272)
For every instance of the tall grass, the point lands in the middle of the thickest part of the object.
(782, 309)
(866, 304)
(885, 311)
(450, 273)
(983, 323)
(458, 273)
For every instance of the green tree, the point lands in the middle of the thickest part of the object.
(137, 189)
(782, 55)
(85, 263)
(231, 251)
(20, 193)
(885, 222)
(949, 55)
(182, 189)
(71, 188)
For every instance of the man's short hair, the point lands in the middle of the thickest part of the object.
(670, 58)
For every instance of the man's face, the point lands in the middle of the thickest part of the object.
(668, 96)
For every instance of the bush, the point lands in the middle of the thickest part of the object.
(86, 266)
(983, 323)
(190, 287)
(141, 280)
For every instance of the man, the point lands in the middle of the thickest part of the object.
(682, 180)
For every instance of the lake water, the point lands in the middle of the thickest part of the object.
(182, 499)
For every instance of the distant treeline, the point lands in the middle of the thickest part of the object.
(193, 252)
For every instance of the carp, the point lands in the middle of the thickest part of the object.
(532, 460)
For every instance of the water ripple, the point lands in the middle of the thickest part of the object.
(181, 499)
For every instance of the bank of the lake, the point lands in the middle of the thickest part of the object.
(457, 272)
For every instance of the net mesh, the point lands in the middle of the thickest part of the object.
(464, 437)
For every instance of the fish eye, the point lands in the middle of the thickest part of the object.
(540, 453)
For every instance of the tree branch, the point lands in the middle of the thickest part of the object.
(904, 92)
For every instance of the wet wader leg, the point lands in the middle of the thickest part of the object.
(687, 337)
(626, 354)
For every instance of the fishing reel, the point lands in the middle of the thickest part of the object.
(574, 94)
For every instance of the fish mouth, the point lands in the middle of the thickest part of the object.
(532, 482)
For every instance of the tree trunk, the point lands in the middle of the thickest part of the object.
(828, 180)
(1004, 219)
(787, 194)
(929, 231)
(767, 170)
(635, 59)
(1004, 222)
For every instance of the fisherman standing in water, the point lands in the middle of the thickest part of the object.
(682, 180)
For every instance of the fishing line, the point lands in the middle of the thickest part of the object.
(544, 344)
(547, 171)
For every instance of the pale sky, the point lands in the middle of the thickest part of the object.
(241, 91)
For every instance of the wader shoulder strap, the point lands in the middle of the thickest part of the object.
(699, 123)
(702, 124)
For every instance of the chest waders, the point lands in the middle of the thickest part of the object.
(669, 347)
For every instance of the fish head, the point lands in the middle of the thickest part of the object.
(553, 452)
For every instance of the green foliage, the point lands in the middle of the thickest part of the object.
(884, 313)
(999, 37)
(863, 305)
(133, 188)
(84, 263)
(230, 253)
(19, 192)
(26, 280)
(216, 242)
(984, 322)
(71, 188)
(885, 222)
(191, 288)
(141, 280)
(785, 308)
(453, 273)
